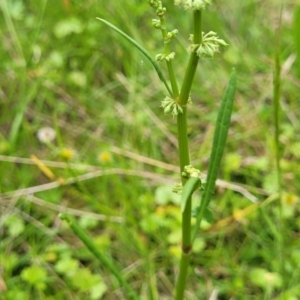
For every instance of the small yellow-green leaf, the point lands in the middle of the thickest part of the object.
(98, 291)
(15, 225)
(35, 276)
(265, 279)
(66, 265)
(84, 280)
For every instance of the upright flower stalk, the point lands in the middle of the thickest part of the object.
(175, 103)
(202, 45)
(184, 158)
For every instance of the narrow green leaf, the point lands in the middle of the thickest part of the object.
(21, 110)
(142, 49)
(296, 31)
(219, 141)
(191, 185)
(89, 243)
(276, 103)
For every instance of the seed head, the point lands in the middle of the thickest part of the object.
(46, 135)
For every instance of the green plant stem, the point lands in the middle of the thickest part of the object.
(193, 61)
(185, 159)
(173, 80)
(101, 257)
(181, 280)
(167, 49)
(183, 146)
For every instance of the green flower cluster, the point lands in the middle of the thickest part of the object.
(209, 46)
(157, 4)
(171, 106)
(192, 4)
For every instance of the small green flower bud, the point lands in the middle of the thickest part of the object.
(200, 4)
(171, 106)
(192, 4)
(188, 4)
(180, 109)
(205, 51)
(172, 33)
(166, 101)
(222, 43)
(177, 189)
(159, 57)
(193, 47)
(156, 23)
(209, 46)
(170, 56)
(168, 108)
(161, 11)
(191, 171)
(175, 110)
(154, 3)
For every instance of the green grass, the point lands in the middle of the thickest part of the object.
(105, 94)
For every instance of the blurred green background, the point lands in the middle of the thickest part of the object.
(63, 69)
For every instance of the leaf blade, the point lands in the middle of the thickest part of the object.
(219, 142)
(190, 186)
(142, 49)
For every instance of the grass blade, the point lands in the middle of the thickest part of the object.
(101, 257)
(219, 141)
(142, 49)
(276, 103)
(21, 110)
(278, 153)
(296, 29)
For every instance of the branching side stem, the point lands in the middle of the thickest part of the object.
(171, 72)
